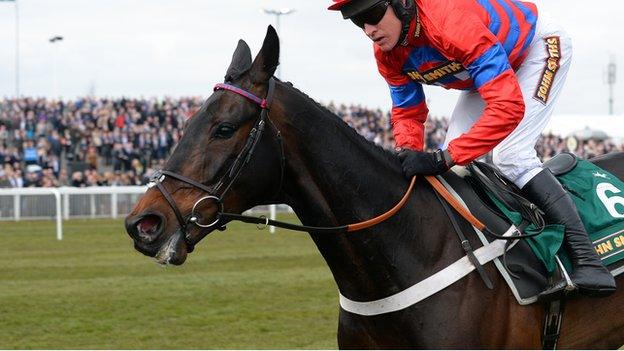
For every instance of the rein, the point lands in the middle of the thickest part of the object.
(235, 170)
(323, 230)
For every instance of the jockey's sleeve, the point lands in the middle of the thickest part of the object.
(461, 36)
(409, 109)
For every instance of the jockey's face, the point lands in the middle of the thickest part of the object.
(386, 33)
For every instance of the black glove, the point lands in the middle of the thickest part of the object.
(426, 163)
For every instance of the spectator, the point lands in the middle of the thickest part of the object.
(30, 153)
(32, 179)
(92, 158)
(4, 179)
(78, 180)
(16, 179)
(62, 178)
(137, 166)
(119, 157)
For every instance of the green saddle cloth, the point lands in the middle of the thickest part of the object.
(599, 199)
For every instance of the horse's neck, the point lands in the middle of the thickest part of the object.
(340, 180)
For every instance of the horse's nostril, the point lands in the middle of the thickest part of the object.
(148, 224)
(148, 227)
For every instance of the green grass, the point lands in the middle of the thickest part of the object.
(240, 289)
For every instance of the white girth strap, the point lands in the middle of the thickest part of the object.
(429, 286)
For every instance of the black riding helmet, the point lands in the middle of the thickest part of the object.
(405, 12)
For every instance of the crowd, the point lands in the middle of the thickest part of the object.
(375, 126)
(101, 141)
(87, 141)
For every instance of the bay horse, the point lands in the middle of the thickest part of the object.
(310, 159)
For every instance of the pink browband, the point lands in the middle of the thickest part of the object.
(224, 86)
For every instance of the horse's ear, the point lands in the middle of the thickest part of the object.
(266, 62)
(241, 61)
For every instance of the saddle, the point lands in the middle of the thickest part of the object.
(484, 190)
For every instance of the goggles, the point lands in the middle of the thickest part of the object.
(372, 15)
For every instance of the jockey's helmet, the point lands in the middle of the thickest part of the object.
(404, 10)
(350, 8)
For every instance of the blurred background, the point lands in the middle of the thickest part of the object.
(104, 86)
(93, 95)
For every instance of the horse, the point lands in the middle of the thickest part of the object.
(310, 159)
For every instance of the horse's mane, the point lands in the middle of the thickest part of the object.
(347, 130)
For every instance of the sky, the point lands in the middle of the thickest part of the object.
(183, 47)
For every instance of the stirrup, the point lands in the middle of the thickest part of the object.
(562, 288)
(557, 291)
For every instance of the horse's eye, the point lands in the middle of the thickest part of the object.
(224, 131)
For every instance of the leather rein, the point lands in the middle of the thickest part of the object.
(228, 179)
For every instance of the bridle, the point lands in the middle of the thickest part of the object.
(229, 177)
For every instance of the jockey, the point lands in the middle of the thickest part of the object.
(511, 65)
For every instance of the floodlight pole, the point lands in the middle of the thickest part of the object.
(54, 40)
(17, 89)
(278, 14)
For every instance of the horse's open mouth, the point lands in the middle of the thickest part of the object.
(173, 251)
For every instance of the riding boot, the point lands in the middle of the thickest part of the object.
(590, 277)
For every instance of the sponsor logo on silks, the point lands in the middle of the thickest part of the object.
(436, 74)
(418, 26)
(600, 175)
(610, 245)
(553, 48)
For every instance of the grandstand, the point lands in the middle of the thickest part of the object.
(103, 142)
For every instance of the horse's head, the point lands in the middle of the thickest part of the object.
(229, 159)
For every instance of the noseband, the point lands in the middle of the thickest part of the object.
(226, 181)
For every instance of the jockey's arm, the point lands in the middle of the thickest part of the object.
(409, 109)
(464, 38)
(408, 119)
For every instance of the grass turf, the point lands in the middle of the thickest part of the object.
(240, 289)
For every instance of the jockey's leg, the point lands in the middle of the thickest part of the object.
(546, 68)
(589, 275)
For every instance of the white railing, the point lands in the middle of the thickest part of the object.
(17, 193)
(68, 202)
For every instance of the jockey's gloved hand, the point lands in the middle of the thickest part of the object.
(425, 163)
